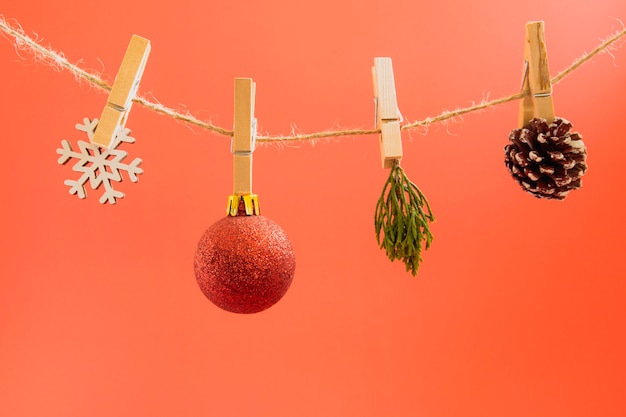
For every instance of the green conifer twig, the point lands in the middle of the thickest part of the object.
(402, 216)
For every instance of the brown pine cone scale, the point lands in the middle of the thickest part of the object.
(547, 160)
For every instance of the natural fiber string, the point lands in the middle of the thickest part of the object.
(48, 56)
(56, 59)
(187, 118)
(555, 80)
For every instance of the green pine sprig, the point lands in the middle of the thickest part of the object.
(401, 220)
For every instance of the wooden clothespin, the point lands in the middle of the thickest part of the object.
(536, 84)
(124, 88)
(388, 117)
(242, 146)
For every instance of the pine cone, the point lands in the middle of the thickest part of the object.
(548, 161)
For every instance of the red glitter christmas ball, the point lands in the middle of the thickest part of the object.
(244, 264)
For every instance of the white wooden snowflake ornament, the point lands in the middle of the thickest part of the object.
(99, 165)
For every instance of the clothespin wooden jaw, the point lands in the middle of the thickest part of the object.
(243, 143)
(388, 117)
(124, 88)
(536, 84)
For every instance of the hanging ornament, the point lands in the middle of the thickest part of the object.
(401, 220)
(543, 155)
(99, 166)
(402, 212)
(547, 160)
(245, 262)
(99, 160)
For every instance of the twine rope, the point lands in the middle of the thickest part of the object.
(58, 61)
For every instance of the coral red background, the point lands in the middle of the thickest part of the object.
(518, 309)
